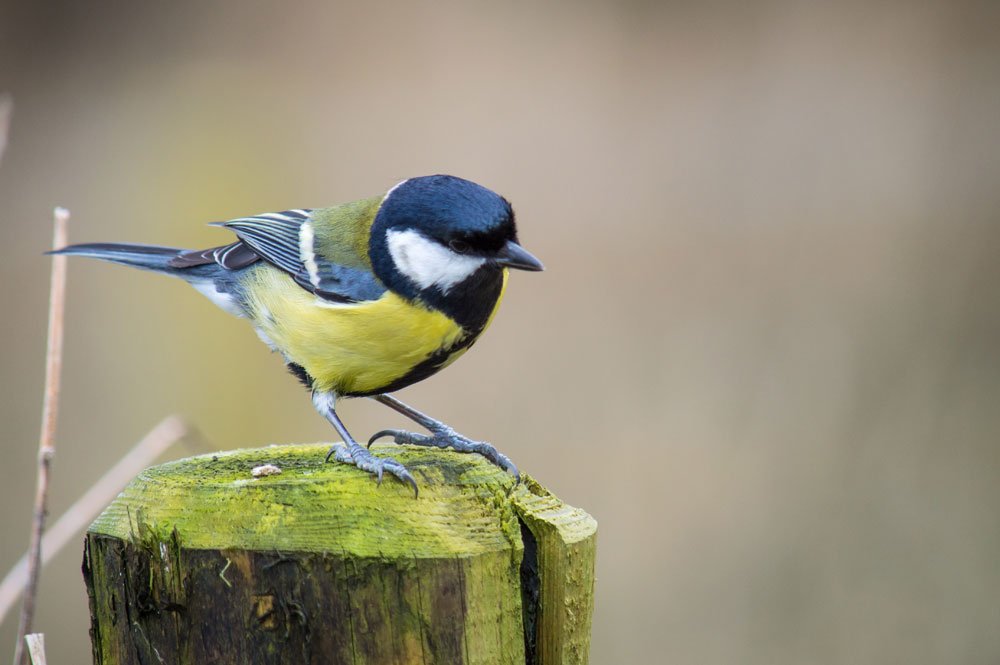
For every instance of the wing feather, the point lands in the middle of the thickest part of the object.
(276, 238)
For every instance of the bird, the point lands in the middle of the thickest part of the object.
(361, 299)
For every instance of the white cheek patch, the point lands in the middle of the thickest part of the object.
(428, 263)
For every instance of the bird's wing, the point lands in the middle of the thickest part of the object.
(276, 238)
(231, 257)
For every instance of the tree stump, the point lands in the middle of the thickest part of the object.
(202, 562)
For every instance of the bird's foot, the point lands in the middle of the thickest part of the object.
(446, 437)
(359, 456)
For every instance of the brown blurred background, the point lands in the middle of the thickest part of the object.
(764, 353)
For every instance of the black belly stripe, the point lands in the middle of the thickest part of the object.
(431, 365)
(469, 304)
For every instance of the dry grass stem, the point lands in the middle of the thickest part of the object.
(36, 648)
(83, 511)
(6, 111)
(46, 442)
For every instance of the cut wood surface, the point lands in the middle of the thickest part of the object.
(202, 561)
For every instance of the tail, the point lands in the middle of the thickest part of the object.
(147, 257)
(219, 281)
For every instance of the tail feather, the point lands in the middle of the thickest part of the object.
(214, 280)
(147, 257)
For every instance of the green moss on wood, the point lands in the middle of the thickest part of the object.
(566, 551)
(198, 561)
(312, 506)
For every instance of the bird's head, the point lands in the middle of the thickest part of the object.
(434, 233)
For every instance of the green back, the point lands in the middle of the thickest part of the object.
(342, 231)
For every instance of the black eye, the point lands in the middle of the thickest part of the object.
(459, 246)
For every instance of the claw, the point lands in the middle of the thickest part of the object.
(359, 457)
(507, 465)
(413, 483)
(400, 472)
(445, 437)
(378, 435)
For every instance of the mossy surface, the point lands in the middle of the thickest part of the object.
(565, 547)
(198, 561)
(213, 502)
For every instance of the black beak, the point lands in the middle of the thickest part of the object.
(513, 255)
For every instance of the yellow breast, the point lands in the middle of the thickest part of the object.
(353, 348)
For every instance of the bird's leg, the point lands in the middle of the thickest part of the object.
(354, 453)
(441, 436)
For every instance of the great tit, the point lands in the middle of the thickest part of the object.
(364, 298)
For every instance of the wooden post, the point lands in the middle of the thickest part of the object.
(202, 561)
